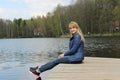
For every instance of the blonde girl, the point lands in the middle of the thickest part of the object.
(75, 54)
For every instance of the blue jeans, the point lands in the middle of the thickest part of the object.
(53, 63)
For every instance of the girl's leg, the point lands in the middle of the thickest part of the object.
(53, 63)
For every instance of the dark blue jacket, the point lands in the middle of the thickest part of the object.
(76, 49)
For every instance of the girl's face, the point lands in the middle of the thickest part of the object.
(73, 30)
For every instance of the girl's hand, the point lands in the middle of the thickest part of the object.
(61, 55)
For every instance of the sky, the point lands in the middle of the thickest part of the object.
(25, 9)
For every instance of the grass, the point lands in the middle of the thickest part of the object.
(104, 35)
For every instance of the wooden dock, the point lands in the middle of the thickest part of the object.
(91, 69)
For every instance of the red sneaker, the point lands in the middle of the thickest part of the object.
(33, 70)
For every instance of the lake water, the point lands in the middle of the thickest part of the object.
(17, 55)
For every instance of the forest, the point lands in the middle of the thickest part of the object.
(93, 16)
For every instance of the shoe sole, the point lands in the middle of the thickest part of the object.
(39, 78)
(34, 74)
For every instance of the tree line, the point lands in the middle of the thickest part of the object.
(93, 16)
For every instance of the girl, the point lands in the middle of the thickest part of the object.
(75, 54)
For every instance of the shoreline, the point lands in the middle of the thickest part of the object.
(68, 36)
(95, 35)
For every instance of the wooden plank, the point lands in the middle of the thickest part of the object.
(91, 69)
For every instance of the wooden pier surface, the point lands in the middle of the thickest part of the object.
(91, 69)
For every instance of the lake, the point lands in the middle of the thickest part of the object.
(17, 55)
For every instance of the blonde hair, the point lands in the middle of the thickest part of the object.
(79, 31)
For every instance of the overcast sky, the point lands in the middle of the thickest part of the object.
(10, 9)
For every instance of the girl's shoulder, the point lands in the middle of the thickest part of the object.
(77, 35)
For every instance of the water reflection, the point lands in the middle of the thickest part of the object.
(103, 47)
(43, 49)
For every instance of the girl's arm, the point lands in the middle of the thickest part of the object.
(75, 46)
